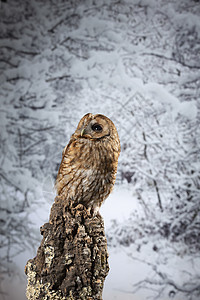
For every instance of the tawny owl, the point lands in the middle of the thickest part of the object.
(89, 163)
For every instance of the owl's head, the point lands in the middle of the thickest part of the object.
(97, 127)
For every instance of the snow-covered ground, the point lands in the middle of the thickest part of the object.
(129, 266)
(137, 62)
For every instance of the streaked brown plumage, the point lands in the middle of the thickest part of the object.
(89, 164)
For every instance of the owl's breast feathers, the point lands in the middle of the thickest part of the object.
(88, 170)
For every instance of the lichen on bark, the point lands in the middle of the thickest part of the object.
(72, 260)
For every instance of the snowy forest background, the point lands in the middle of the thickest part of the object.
(137, 62)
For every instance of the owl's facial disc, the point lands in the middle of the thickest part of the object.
(96, 128)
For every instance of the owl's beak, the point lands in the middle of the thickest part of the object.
(82, 131)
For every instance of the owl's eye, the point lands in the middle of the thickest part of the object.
(97, 128)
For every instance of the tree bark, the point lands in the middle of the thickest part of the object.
(72, 260)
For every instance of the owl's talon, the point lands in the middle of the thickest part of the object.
(95, 210)
(89, 210)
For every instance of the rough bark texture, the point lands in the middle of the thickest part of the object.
(72, 260)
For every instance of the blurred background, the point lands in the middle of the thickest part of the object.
(137, 62)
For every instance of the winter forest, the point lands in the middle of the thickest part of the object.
(138, 63)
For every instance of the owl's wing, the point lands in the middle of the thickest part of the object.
(64, 153)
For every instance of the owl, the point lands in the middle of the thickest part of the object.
(88, 168)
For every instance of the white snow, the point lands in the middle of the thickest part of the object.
(160, 94)
(118, 205)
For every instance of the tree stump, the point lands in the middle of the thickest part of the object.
(72, 260)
